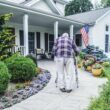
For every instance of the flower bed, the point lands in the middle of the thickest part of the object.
(90, 63)
(12, 97)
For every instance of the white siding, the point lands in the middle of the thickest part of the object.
(91, 36)
(42, 5)
(98, 32)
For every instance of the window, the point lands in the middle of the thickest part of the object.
(31, 42)
(21, 34)
(49, 42)
(106, 43)
(38, 39)
(107, 28)
(78, 40)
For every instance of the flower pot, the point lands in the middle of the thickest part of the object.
(89, 68)
(97, 72)
(79, 65)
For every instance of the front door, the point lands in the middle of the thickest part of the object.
(31, 42)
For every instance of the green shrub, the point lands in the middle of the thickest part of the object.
(106, 64)
(34, 58)
(21, 69)
(4, 77)
(8, 60)
(82, 55)
(102, 102)
(106, 71)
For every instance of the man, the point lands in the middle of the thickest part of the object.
(63, 49)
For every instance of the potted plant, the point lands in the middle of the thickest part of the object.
(97, 69)
(79, 62)
(88, 65)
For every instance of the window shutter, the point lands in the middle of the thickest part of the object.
(21, 35)
(46, 41)
(38, 39)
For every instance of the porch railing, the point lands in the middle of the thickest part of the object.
(20, 49)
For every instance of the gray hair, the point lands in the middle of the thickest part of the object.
(65, 35)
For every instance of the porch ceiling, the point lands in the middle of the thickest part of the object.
(37, 18)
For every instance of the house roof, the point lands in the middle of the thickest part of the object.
(50, 3)
(29, 10)
(61, 1)
(89, 17)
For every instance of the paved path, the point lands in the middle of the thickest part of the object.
(52, 99)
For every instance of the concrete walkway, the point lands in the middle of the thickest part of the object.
(52, 99)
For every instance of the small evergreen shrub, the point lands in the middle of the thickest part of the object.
(4, 77)
(21, 68)
(8, 60)
(33, 58)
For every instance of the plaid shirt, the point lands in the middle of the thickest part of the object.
(64, 47)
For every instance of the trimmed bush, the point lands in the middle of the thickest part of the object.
(4, 77)
(8, 60)
(21, 68)
(34, 58)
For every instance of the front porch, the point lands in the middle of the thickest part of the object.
(36, 29)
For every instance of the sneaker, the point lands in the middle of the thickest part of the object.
(68, 91)
(63, 90)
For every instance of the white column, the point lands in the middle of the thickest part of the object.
(42, 41)
(25, 28)
(56, 29)
(71, 31)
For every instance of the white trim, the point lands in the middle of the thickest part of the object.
(100, 18)
(50, 3)
(32, 2)
(53, 5)
(62, 1)
(30, 10)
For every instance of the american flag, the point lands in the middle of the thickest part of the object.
(84, 31)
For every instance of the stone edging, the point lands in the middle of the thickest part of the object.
(37, 84)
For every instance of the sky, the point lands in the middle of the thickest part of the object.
(93, 1)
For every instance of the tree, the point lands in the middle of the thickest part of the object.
(105, 3)
(97, 5)
(78, 6)
(6, 37)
